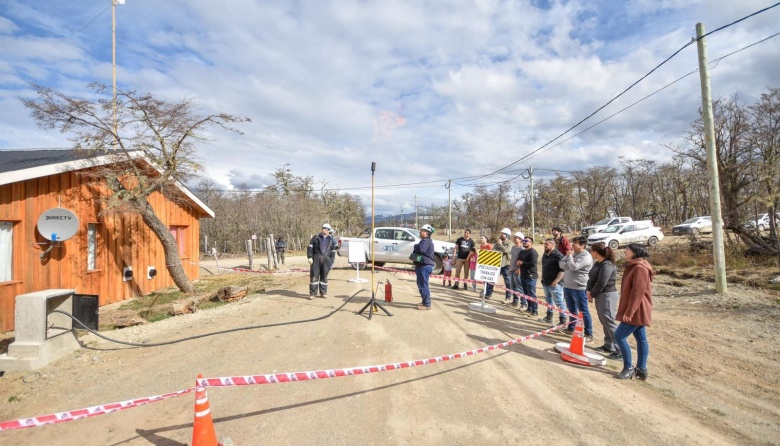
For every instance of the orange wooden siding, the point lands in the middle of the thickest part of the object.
(122, 240)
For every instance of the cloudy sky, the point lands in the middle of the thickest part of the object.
(429, 90)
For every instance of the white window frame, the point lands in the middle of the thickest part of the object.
(6, 251)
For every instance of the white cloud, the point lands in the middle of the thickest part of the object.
(479, 83)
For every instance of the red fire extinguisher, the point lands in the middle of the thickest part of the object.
(388, 291)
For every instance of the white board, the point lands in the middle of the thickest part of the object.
(487, 273)
(357, 252)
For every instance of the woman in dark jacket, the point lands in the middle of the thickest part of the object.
(601, 288)
(423, 265)
(635, 311)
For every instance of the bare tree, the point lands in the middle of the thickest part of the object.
(165, 134)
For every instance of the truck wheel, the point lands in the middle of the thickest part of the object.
(614, 244)
(653, 241)
(696, 232)
(437, 268)
(379, 264)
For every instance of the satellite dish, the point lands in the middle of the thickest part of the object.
(58, 224)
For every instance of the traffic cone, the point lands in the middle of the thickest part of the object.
(203, 433)
(575, 353)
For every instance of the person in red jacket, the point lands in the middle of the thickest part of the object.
(635, 311)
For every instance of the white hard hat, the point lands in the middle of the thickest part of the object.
(506, 231)
(428, 228)
(326, 226)
(519, 234)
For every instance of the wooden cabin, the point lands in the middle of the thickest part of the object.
(93, 260)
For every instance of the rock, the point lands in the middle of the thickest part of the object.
(230, 293)
(183, 307)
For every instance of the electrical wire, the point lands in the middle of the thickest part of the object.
(190, 338)
(54, 45)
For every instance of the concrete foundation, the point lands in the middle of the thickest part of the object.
(41, 336)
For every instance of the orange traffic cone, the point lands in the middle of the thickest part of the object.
(574, 352)
(203, 433)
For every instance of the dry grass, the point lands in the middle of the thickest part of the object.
(156, 306)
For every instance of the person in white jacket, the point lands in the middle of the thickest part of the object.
(576, 266)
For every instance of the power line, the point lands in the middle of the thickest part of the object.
(54, 45)
(694, 40)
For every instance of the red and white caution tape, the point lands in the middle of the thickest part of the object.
(278, 378)
(73, 415)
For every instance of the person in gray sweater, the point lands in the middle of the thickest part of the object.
(576, 266)
(601, 288)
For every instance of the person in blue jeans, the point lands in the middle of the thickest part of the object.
(552, 275)
(514, 273)
(423, 265)
(504, 246)
(527, 259)
(575, 268)
(635, 311)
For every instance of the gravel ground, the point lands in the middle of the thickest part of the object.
(713, 374)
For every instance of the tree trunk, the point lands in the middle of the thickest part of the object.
(170, 248)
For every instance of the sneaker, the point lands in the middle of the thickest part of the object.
(515, 304)
(588, 339)
(422, 307)
(324, 296)
(311, 296)
(507, 300)
(534, 314)
(546, 320)
(615, 356)
(523, 306)
(602, 349)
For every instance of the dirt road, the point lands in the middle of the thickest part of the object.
(713, 375)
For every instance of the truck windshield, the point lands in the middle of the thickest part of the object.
(604, 222)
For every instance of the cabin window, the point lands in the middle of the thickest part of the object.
(6, 251)
(179, 234)
(92, 246)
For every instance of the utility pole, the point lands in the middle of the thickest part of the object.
(531, 176)
(416, 223)
(113, 59)
(449, 231)
(712, 164)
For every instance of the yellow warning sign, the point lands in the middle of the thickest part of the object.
(489, 258)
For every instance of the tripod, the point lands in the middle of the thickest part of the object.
(372, 305)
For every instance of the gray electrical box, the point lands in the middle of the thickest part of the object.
(85, 309)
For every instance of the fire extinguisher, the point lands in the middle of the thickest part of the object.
(388, 291)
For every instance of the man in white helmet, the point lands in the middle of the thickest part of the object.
(321, 254)
(504, 246)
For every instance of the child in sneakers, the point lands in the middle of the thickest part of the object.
(446, 263)
(472, 258)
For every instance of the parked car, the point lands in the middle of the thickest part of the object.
(642, 232)
(394, 245)
(763, 223)
(604, 224)
(695, 226)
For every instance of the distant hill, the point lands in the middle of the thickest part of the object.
(391, 220)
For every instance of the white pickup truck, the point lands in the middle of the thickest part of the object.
(394, 245)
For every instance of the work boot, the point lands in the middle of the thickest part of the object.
(626, 373)
(546, 320)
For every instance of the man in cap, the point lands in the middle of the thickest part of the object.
(321, 254)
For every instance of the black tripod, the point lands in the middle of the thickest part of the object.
(372, 305)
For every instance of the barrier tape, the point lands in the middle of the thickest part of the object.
(77, 414)
(272, 378)
(500, 287)
(279, 378)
